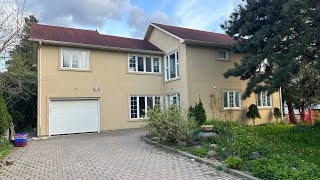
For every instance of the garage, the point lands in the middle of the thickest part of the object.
(74, 116)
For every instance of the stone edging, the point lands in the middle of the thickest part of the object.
(201, 160)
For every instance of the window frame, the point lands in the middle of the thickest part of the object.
(129, 69)
(71, 62)
(169, 99)
(145, 104)
(226, 54)
(260, 95)
(234, 99)
(167, 65)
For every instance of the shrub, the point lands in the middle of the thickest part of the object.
(253, 113)
(5, 118)
(233, 162)
(276, 113)
(198, 113)
(169, 125)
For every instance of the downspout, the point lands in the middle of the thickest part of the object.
(39, 92)
(281, 103)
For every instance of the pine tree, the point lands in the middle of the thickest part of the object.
(5, 118)
(285, 35)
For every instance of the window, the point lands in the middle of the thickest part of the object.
(147, 64)
(264, 100)
(172, 65)
(231, 99)
(173, 99)
(139, 105)
(74, 58)
(223, 54)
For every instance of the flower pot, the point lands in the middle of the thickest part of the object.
(207, 128)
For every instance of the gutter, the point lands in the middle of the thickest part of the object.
(96, 46)
(206, 43)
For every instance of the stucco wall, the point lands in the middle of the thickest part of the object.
(168, 44)
(205, 77)
(108, 71)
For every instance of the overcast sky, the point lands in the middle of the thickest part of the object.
(130, 18)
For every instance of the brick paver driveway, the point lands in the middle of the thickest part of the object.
(111, 155)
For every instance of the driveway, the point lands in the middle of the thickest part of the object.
(110, 155)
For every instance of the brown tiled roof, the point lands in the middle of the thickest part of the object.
(87, 37)
(197, 35)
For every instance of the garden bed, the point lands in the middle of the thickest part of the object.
(271, 151)
(5, 148)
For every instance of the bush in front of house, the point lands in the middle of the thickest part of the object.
(5, 118)
(198, 113)
(276, 113)
(170, 125)
(253, 113)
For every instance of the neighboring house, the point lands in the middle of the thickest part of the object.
(92, 82)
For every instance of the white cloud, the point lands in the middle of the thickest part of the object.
(138, 20)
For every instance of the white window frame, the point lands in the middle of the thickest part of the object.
(169, 99)
(144, 64)
(168, 65)
(264, 96)
(234, 99)
(74, 50)
(145, 105)
(226, 53)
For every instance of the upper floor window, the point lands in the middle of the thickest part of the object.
(172, 65)
(232, 99)
(137, 63)
(74, 58)
(223, 55)
(264, 100)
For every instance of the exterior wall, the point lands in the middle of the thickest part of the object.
(108, 71)
(168, 44)
(205, 78)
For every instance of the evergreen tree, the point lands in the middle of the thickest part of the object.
(5, 118)
(253, 113)
(282, 46)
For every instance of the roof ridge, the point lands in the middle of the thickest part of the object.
(122, 37)
(190, 29)
(73, 28)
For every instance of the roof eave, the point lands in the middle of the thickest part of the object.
(206, 43)
(151, 26)
(96, 46)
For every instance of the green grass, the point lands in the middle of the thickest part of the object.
(300, 141)
(5, 148)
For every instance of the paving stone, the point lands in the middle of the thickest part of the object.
(111, 155)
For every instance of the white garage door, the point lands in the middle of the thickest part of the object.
(74, 116)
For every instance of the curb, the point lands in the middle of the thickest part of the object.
(201, 160)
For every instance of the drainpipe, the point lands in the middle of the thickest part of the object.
(39, 93)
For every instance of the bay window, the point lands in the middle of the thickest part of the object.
(172, 66)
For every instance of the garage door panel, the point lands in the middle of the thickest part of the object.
(74, 116)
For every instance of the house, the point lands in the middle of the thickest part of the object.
(90, 82)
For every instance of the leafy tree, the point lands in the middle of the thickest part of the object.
(253, 113)
(5, 118)
(276, 113)
(19, 82)
(282, 45)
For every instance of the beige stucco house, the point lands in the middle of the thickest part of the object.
(89, 82)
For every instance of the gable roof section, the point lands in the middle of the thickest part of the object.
(88, 38)
(193, 36)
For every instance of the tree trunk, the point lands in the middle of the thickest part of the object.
(302, 113)
(292, 117)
